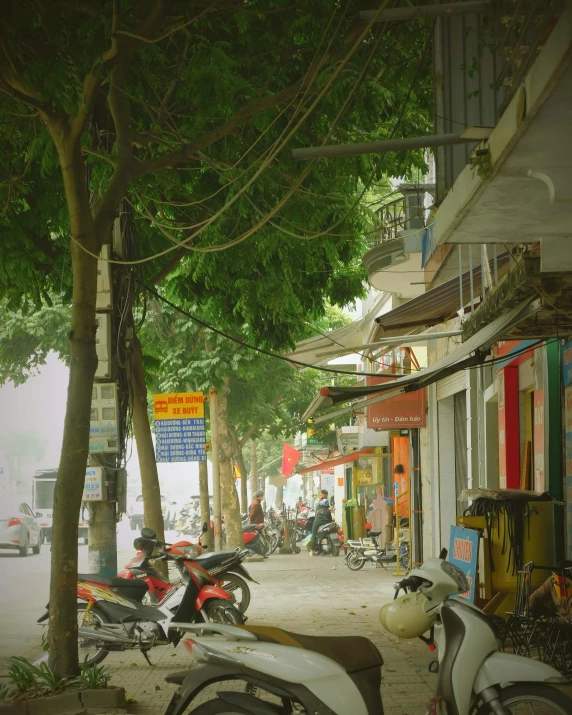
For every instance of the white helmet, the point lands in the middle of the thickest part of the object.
(406, 616)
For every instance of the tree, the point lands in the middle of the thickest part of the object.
(152, 102)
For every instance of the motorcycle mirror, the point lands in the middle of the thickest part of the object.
(443, 554)
(148, 533)
(205, 527)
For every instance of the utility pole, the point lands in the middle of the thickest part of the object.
(105, 485)
(213, 402)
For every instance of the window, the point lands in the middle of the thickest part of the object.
(108, 413)
(107, 392)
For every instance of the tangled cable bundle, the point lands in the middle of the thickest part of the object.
(516, 511)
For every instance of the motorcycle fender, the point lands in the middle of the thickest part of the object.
(508, 668)
(208, 592)
(241, 571)
(195, 680)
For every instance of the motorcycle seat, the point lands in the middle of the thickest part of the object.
(353, 653)
(209, 561)
(134, 585)
(249, 527)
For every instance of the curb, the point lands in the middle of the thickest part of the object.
(72, 703)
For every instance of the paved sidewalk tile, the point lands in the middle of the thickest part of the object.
(319, 596)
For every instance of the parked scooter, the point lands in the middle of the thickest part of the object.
(365, 551)
(111, 615)
(255, 540)
(224, 566)
(340, 675)
(304, 524)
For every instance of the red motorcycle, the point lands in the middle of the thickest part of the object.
(225, 567)
(112, 615)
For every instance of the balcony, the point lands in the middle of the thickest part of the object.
(393, 262)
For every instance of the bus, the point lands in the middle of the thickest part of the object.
(43, 486)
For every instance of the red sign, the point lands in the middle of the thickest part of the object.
(402, 411)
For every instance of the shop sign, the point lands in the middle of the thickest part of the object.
(464, 553)
(180, 433)
(406, 410)
(567, 380)
(364, 477)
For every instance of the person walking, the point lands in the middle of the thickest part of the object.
(255, 511)
(323, 516)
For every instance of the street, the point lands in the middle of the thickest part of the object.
(26, 593)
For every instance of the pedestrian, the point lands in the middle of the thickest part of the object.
(255, 511)
(322, 516)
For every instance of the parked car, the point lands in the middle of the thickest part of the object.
(136, 515)
(19, 528)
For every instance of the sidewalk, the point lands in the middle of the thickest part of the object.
(308, 595)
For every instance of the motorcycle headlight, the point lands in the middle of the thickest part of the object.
(457, 575)
(191, 551)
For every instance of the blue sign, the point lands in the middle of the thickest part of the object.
(180, 440)
(464, 553)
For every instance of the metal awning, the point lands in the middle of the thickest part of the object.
(335, 461)
(436, 305)
(473, 352)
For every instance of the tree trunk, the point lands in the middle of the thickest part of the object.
(150, 487)
(279, 498)
(229, 496)
(253, 469)
(205, 505)
(239, 459)
(62, 637)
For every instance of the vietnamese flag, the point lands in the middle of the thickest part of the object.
(289, 459)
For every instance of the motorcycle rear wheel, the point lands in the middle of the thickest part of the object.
(220, 611)
(95, 615)
(238, 589)
(355, 561)
(532, 699)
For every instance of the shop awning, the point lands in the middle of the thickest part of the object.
(336, 461)
(436, 305)
(473, 352)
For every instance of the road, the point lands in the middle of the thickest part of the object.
(26, 587)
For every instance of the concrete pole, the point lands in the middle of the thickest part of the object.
(102, 549)
(213, 401)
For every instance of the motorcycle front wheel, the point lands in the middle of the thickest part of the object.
(220, 611)
(85, 646)
(219, 707)
(531, 699)
(355, 561)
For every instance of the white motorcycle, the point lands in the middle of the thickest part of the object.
(341, 675)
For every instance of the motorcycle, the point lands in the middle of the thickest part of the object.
(364, 551)
(328, 539)
(255, 539)
(112, 615)
(340, 675)
(224, 566)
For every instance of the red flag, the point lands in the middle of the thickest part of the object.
(289, 459)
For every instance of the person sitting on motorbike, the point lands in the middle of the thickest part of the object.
(323, 516)
(255, 511)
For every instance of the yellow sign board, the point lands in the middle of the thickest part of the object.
(179, 406)
(364, 477)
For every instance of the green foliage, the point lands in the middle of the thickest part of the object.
(24, 680)
(27, 335)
